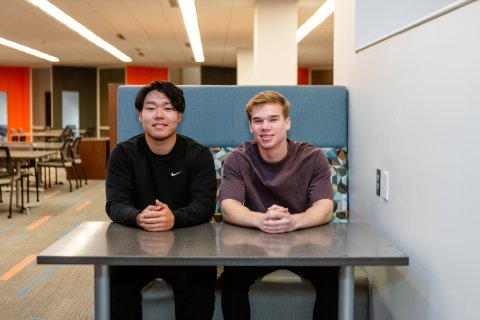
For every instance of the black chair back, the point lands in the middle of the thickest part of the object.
(14, 134)
(22, 135)
(76, 148)
(6, 165)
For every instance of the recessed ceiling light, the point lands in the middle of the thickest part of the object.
(33, 52)
(190, 20)
(73, 24)
(315, 20)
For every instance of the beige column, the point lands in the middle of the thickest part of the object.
(275, 48)
(245, 66)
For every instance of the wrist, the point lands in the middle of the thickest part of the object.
(138, 218)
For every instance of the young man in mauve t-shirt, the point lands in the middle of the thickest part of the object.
(276, 185)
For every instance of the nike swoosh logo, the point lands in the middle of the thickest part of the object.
(173, 174)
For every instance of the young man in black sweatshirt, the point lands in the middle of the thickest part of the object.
(158, 181)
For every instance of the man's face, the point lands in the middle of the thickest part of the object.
(268, 125)
(158, 116)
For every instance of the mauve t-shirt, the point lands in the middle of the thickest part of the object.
(296, 182)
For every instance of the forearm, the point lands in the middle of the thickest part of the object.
(119, 188)
(318, 214)
(236, 213)
(192, 215)
(123, 214)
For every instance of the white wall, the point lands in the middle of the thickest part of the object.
(415, 111)
(377, 18)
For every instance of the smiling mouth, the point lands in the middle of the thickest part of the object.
(266, 136)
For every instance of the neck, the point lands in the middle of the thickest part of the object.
(161, 147)
(276, 154)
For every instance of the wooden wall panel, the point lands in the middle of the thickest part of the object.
(112, 110)
(83, 80)
(94, 153)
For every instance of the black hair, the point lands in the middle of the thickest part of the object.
(174, 93)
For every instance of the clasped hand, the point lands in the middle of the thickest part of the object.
(277, 219)
(156, 217)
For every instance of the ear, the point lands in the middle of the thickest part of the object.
(288, 123)
(250, 127)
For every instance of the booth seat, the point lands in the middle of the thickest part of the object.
(215, 116)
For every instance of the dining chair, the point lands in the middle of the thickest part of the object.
(64, 160)
(90, 132)
(21, 134)
(7, 174)
(26, 167)
(67, 133)
(14, 134)
(77, 159)
(3, 132)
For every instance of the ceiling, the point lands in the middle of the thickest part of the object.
(153, 33)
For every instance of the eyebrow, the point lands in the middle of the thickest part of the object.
(146, 102)
(267, 117)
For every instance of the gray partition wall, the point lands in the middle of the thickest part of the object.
(82, 80)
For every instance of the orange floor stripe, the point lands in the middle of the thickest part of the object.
(18, 267)
(83, 205)
(39, 222)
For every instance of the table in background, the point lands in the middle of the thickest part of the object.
(54, 133)
(103, 243)
(19, 155)
(37, 145)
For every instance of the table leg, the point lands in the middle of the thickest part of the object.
(346, 288)
(18, 188)
(36, 180)
(102, 292)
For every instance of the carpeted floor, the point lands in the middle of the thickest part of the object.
(37, 292)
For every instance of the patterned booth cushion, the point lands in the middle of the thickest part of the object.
(337, 158)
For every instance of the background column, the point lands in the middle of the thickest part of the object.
(275, 47)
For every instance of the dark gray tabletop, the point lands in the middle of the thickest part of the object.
(106, 243)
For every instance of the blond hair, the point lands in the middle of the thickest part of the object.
(268, 97)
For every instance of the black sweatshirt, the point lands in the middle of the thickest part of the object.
(184, 180)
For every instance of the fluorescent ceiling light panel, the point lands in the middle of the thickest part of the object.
(315, 20)
(33, 52)
(64, 18)
(190, 20)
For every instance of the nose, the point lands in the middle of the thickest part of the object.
(159, 113)
(265, 125)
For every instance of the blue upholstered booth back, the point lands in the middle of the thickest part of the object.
(215, 115)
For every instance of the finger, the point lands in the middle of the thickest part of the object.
(150, 208)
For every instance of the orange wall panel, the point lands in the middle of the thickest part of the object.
(303, 77)
(16, 82)
(145, 75)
